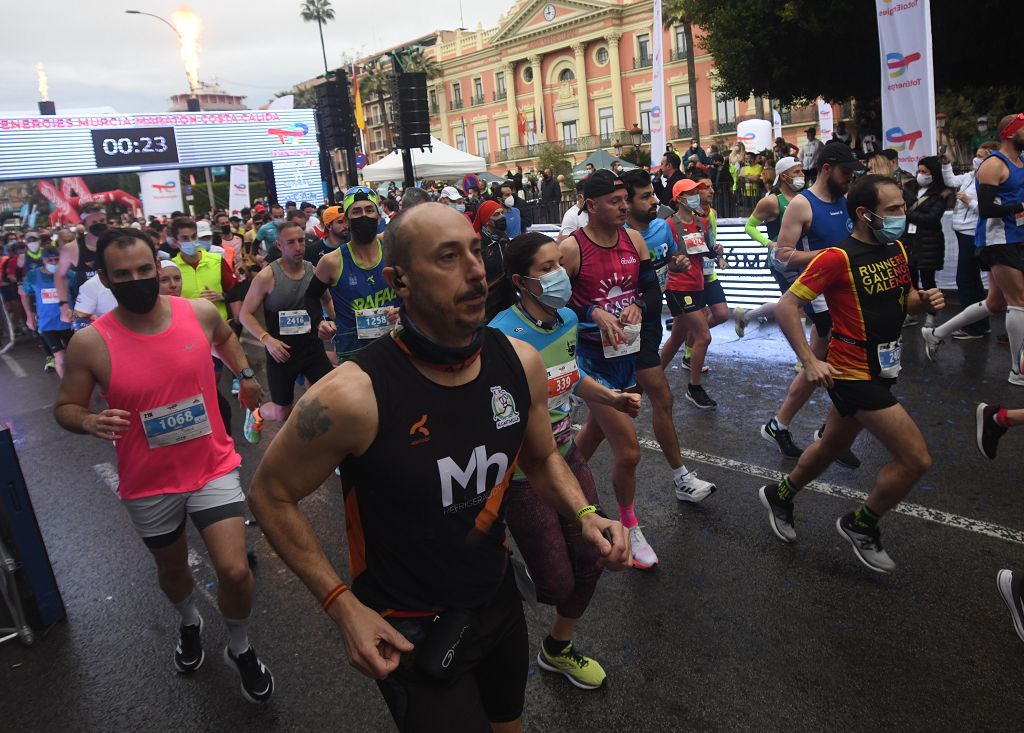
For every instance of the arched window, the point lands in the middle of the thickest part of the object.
(566, 75)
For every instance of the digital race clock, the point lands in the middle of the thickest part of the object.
(127, 146)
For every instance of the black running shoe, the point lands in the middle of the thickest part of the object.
(189, 655)
(257, 682)
(988, 431)
(780, 513)
(848, 459)
(695, 393)
(1011, 589)
(771, 431)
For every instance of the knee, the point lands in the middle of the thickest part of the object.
(235, 574)
(917, 462)
(702, 338)
(628, 457)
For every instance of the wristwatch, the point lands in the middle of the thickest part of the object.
(247, 373)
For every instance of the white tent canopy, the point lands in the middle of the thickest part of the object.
(443, 162)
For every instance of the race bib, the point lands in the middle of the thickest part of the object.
(293, 323)
(695, 244)
(632, 345)
(1019, 219)
(49, 296)
(889, 358)
(662, 273)
(709, 266)
(561, 379)
(372, 323)
(911, 228)
(176, 423)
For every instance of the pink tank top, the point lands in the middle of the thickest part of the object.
(608, 278)
(175, 441)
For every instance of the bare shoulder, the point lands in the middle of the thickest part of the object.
(205, 311)
(343, 404)
(85, 345)
(327, 267)
(528, 356)
(798, 208)
(569, 252)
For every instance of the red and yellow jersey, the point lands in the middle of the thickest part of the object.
(866, 288)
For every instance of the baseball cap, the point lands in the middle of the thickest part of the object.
(837, 153)
(784, 165)
(601, 183)
(169, 263)
(359, 193)
(451, 193)
(259, 209)
(330, 214)
(685, 185)
(31, 235)
(203, 229)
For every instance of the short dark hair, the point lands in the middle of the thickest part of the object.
(412, 196)
(634, 179)
(180, 222)
(395, 242)
(296, 214)
(276, 206)
(122, 238)
(290, 224)
(520, 252)
(672, 159)
(864, 193)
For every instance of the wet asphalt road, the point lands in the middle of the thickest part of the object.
(734, 631)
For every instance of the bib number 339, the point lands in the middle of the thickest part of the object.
(176, 422)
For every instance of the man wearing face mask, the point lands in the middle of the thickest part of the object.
(491, 225)
(174, 458)
(450, 196)
(266, 235)
(41, 303)
(510, 200)
(203, 274)
(78, 258)
(983, 134)
(862, 364)
(365, 306)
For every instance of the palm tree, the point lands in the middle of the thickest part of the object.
(415, 60)
(375, 83)
(675, 13)
(322, 12)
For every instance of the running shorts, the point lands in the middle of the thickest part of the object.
(1009, 255)
(713, 293)
(816, 311)
(688, 301)
(310, 362)
(851, 395)
(487, 687)
(160, 519)
(616, 374)
(56, 340)
(650, 343)
(9, 292)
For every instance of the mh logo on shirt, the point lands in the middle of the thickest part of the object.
(897, 137)
(477, 468)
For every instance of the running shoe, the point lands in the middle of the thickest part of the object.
(1009, 584)
(848, 459)
(737, 317)
(253, 426)
(988, 431)
(236, 387)
(780, 513)
(584, 672)
(867, 546)
(50, 365)
(931, 343)
(257, 682)
(686, 365)
(783, 438)
(962, 335)
(690, 488)
(643, 554)
(1016, 378)
(189, 655)
(695, 393)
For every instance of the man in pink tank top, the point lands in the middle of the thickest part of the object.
(174, 457)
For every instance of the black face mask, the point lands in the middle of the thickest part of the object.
(413, 341)
(137, 296)
(226, 229)
(363, 228)
(98, 229)
(500, 225)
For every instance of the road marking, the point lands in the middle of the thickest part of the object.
(14, 366)
(957, 521)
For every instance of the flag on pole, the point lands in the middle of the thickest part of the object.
(541, 120)
(521, 123)
(358, 100)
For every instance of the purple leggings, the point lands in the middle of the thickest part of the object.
(564, 566)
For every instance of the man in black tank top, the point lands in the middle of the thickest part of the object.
(79, 258)
(428, 424)
(295, 327)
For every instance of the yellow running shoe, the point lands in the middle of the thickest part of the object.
(584, 672)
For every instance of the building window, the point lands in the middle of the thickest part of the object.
(566, 75)
(460, 141)
(378, 140)
(478, 88)
(684, 112)
(602, 56)
(643, 44)
(726, 111)
(433, 101)
(499, 82)
(457, 94)
(528, 74)
(482, 148)
(504, 138)
(606, 124)
(569, 133)
(680, 41)
(645, 117)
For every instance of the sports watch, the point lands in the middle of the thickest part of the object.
(247, 373)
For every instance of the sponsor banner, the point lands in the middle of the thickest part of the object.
(756, 135)
(657, 90)
(776, 123)
(825, 126)
(908, 86)
(238, 191)
(160, 192)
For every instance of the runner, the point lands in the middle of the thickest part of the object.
(292, 336)
(266, 235)
(170, 278)
(1000, 237)
(815, 219)
(562, 564)
(417, 404)
(685, 292)
(789, 181)
(335, 227)
(173, 460)
(42, 306)
(992, 422)
(611, 272)
(365, 305)
(716, 307)
(78, 258)
(866, 281)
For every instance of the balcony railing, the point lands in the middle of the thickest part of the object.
(642, 62)
(682, 133)
(581, 144)
(675, 55)
(476, 100)
(433, 108)
(454, 105)
(499, 96)
(787, 116)
(721, 127)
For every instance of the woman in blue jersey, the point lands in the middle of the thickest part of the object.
(564, 567)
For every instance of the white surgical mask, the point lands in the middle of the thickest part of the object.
(32, 245)
(693, 202)
(510, 201)
(923, 180)
(797, 183)
(977, 163)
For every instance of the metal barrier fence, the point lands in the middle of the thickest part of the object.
(727, 204)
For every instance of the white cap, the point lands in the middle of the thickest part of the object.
(135, 225)
(783, 165)
(203, 229)
(451, 193)
(164, 264)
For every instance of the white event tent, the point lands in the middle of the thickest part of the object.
(443, 161)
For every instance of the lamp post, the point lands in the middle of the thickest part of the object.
(636, 135)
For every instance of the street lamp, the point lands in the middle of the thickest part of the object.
(636, 135)
(193, 100)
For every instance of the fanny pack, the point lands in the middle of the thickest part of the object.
(439, 654)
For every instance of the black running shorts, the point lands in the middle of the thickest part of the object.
(713, 293)
(310, 362)
(688, 301)
(1009, 255)
(650, 343)
(849, 395)
(56, 340)
(489, 685)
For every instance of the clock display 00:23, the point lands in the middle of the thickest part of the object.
(130, 146)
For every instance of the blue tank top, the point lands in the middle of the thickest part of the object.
(830, 224)
(1008, 229)
(358, 288)
(661, 245)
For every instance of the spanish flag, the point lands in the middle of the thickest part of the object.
(357, 100)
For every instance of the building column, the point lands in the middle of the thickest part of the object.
(510, 101)
(582, 95)
(616, 78)
(538, 99)
(442, 110)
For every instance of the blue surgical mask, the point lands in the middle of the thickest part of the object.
(555, 288)
(461, 208)
(693, 202)
(51, 268)
(205, 244)
(892, 228)
(189, 248)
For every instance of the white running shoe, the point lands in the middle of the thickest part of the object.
(1017, 379)
(692, 489)
(931, 343)
(643, 554)
(741, 326)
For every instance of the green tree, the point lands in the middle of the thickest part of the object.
(553, 156)
(375, 84)
(322, 12)
(414, 59)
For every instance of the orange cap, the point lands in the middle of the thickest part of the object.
(685, 185)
